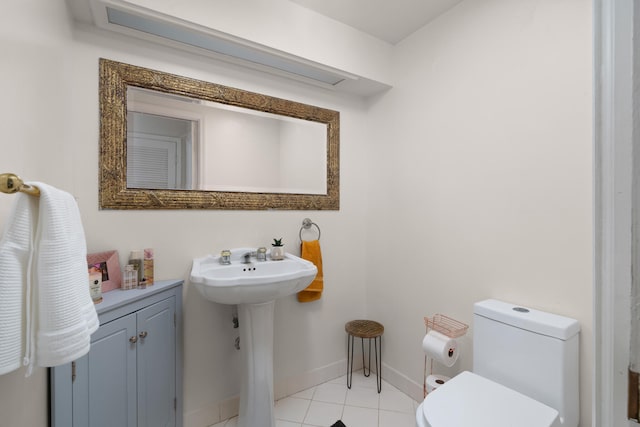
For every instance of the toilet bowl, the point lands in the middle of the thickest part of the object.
(525, 373)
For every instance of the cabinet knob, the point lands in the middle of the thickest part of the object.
(133, 339)
(143, 334)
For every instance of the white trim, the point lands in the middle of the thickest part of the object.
(402, 383)
(613, 29)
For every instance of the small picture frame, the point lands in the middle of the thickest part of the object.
(108, 264)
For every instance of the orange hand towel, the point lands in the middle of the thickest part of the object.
(311, 252)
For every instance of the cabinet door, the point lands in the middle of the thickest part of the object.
(157, 365)
(104, 391)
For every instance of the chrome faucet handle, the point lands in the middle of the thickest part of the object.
(225, 257)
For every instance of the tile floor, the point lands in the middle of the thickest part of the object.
(361, 406)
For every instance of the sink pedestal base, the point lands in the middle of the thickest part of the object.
(256, 353)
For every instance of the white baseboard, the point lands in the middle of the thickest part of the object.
(296, 383)
(220, 411)
(213, 413)
(216, 412)
(402, 383)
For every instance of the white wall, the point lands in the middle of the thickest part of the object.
(302, 145)
(482, 182)
(49, 118)
(470, 179)
(35, 123)
(236, 160)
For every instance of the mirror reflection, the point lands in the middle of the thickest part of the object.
(178, 143)
(172, 142)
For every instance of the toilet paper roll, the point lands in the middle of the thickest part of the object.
(435, 381)
(440, 348)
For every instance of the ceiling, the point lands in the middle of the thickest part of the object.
(388, 20)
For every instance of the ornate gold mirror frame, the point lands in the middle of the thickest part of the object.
(115, 77)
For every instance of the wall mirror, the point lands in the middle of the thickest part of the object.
(172, 142)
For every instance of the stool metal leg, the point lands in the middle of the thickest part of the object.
(349, 361)
(378, 361)
(364, 366)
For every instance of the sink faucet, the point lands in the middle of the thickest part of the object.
(259, 255)
(246, 258)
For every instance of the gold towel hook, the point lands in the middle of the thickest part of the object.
(11, 183)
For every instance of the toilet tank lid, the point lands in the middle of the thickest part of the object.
(530, 319)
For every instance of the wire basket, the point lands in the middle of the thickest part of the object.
(446, 325)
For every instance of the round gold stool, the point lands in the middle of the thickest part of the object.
(362, 329)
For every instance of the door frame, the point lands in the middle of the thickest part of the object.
(613, 22)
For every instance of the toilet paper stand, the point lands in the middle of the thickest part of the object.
(447, 326)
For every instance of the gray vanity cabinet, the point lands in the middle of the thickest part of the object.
(104, 381)
(132, 375)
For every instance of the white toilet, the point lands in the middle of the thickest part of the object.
(525, 365)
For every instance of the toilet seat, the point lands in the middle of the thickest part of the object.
(471, 400)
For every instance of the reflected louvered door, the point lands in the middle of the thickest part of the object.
(153, 161)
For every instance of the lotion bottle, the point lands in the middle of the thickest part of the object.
(95, 287)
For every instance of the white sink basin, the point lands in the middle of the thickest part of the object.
(254, 287)
(252, 283)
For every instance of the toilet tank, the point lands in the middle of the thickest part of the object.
(530, 351)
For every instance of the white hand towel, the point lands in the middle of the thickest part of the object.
(16, 247)
(66, 314)
(55, 309)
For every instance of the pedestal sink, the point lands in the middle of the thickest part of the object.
(254, 287)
